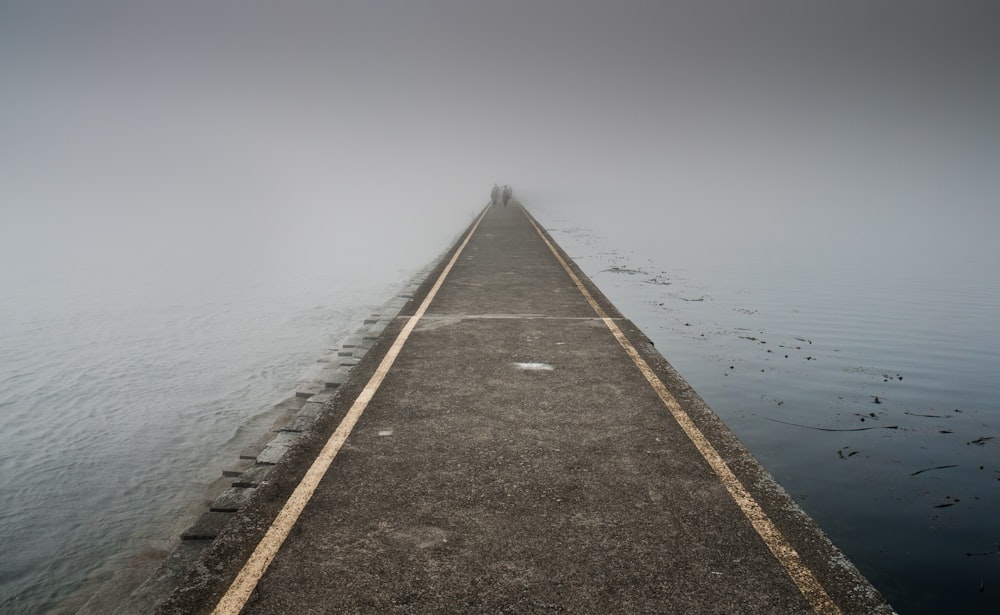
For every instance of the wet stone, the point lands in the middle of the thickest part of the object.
(311, 409)
(231, 499)
(310, 389)
(251, 451)
(277, 448)
(254, 477)
(207, 527)
(329, 374)
(299, 424)
(239, 468)
(321, 398)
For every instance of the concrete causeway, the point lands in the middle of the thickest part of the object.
(512, 444)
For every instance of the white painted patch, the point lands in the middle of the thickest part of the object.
(385, 432)
(544, 367)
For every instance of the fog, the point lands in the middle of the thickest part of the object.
(144, 134)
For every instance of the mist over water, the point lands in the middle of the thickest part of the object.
(195, 198)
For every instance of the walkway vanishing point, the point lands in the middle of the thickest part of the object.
(512, 444)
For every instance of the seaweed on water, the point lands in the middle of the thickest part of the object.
(834, 428)
(979, 553)
(659, 281)
(934, 468)
(619, 269)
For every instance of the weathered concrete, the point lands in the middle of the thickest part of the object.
(207, 527)
(300, 423)
(276, 448)
(231, 499)
(515, 459)
(253, 477)
(336, 377)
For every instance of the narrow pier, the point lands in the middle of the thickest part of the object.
(512, 444)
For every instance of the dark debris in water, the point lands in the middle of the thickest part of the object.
(617, 269)
(995, 551)
(934, 468)
(929, 416)
(659, 281)
(835, 428)
(951, 501)
(981, 441)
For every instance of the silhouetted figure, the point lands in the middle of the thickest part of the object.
(495, 195)
(506, 194)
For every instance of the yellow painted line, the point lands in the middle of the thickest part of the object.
(803, 577)
(246, 581)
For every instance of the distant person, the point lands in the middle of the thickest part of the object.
(495, 195)
(506, 194)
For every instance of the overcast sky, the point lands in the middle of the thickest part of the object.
(200, 120)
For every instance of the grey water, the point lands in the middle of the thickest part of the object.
(126, 389)
(867, 386)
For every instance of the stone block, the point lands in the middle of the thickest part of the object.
(336, 379)
(207, 527)
(277, 447)
(231, 499)
(309, 389)
(311, 409)
(238, 468)
(253, 477)
(322, 398)
(251, 451)
(299, 424)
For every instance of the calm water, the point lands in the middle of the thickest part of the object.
(793, 353)
(124, 391)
